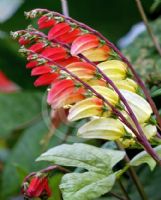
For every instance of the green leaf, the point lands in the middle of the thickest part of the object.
(79, 155)
(84, 156)
(156, 93)
(144, 157)
(17, 110)
(86, 186)
(102, 128)
(54, 183)
(143, 55)
(155, 5)
(115, 155)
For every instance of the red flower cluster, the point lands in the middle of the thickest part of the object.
(38, 187)
(63, 45)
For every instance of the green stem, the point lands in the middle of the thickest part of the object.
(123, 190)
(117, 196)
(133, 175)
(149, 30)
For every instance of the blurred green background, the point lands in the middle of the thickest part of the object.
(22, 128)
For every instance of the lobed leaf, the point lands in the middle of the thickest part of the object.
(84, 156)
(79, 155)
(86, 186)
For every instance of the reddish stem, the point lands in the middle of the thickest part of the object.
(47, 170)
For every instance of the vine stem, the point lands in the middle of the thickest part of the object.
(122, 57)
(47, 170)
(117, 196)
(133, 174)
(145, 19)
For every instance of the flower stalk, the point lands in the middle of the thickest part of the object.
(122, 57)
(133, 174)
(140, 134)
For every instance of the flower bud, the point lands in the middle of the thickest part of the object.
(127, 84)
(97, 54)
(114, 69)
(38, 187)
(139, 105)
(108, 94)
(87, 108)
(102, 128)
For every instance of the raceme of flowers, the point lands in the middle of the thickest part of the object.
(85, 76)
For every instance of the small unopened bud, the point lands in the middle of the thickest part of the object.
(59, 19)
(37, 187)
(23, 51)
(41, 61)
(32, 14)
(15, 35)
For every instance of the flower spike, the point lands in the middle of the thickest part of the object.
(84, 64)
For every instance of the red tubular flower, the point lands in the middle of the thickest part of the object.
(32, 64)
(42, 69)
(55, 53)
(82, 70)
(58, 30)
(46, 22)
(23, 41)
(68, 61)
(97, 54)
(69, 37)
(84, 42)
(38, 187)
(45, 79)
(37, 47)
(64, 92)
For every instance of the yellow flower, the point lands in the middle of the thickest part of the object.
(139, 105)
(127, 84)
(107, 93)
(87, 108)
(102, 128)
(114, 69)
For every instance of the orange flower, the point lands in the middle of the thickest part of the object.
(84, 42)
